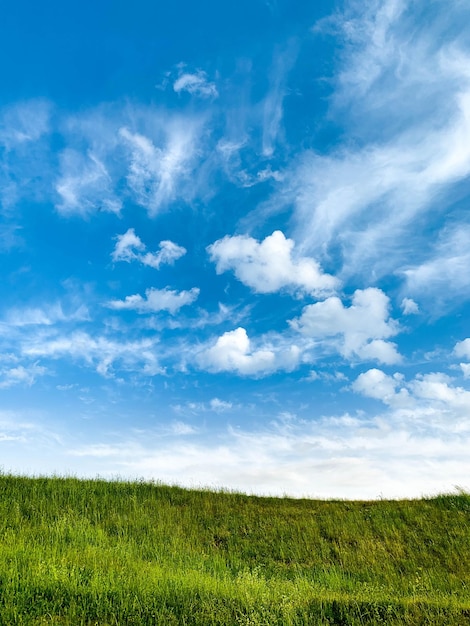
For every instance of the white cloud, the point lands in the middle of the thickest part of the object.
(201, 319)
(156, 300)
(376, 384)
(25, 130)
(182, 429)
(100, 352)
(21, 375)
(273, 103)
(462, 349)
(129, 247)
(144, 154)
(270, 265)
(402, 99)
(196, 408)
(436, 387)
(196, 84)
(443, 275)
(169, 253)
(47, 315)
(24, 122)
(379, 350)
(219, 406)
(85, 185)
(233, 352)
(432, 394)
(409, 307)
(395, 455)
(359, 331)
(157, 172)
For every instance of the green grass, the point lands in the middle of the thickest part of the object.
(112, 553)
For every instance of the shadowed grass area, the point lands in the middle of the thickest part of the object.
(111, 553)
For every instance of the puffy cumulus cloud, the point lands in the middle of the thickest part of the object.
(85, 185)
(195, 83)
(465, 367)
(359, 331)
(434, 395)
(102, 353)
(233, 352)
(269, 266)
(437, 389)
(156, 300)
(409, 306)
(169, 253)
(462, 349)
(376, 384)
(129, 247)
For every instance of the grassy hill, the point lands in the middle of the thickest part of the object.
(113, 553)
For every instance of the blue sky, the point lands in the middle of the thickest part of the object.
(235, 244)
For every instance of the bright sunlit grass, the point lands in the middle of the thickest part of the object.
(95, 552)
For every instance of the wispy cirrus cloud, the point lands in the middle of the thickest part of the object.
(195, 83)
(21, 375)
(156, 300)
(273, 103)
(99, 352)
(401, 93)
(215, 405)
(85, 185)
(24, 122)
(157, 171)
(114, 153)
(25, 156)
(46, 315)
(442, 278)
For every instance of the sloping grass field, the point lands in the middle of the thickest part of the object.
(82, 552)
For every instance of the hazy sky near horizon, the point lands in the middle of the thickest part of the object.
(235, 243)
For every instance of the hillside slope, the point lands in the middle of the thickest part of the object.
(95, 552)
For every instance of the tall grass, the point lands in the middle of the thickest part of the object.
(111, 553)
